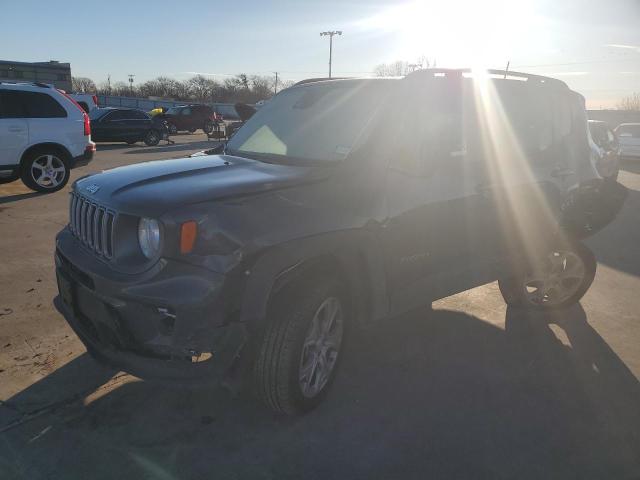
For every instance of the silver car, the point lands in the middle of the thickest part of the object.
(629, 137)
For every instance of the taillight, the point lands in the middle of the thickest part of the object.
(87, 124)
(85, 117)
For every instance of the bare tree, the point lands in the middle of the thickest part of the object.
(400, 68)
(83, 84)
(630, 102)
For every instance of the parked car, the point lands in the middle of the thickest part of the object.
(127, 125)
(339, 203)
(629, 137)
(189, 118)
(43, 135)
(86, 100)
(607, 149)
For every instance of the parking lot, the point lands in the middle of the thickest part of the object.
(469, 389)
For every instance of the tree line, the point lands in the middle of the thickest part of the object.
(239, 88)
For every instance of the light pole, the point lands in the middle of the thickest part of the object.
(330, 34)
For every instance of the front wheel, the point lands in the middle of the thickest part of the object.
(303, 341)
(559, 278)
(45, 171)
(152, 138)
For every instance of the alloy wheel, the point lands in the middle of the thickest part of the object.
(48, 171)
(557, 279)
(321, 347)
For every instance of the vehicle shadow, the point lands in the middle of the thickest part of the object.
(434, 394)
(19, 196)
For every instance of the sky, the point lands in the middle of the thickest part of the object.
(592, 45)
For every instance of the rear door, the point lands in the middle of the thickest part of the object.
(137, 123)
(14, 129)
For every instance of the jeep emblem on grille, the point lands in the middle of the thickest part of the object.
(93, 188)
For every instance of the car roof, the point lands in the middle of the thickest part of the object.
(31, 86)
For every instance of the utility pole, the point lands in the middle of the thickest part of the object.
(131, 75)
(275, 85)
(330, 34)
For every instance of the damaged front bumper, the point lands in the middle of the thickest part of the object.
(173, 323)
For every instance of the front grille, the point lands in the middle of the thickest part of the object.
(92, 224)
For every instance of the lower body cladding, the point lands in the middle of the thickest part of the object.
(171, 326)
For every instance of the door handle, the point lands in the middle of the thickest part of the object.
(562, 172)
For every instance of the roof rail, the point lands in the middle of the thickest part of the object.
(318, 79)
(504, 74)
(35, 84)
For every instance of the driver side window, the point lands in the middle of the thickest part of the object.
(426, 129)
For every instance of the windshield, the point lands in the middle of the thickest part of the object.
(321, 122)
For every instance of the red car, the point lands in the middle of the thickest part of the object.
(190, 118)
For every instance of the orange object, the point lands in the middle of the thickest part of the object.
(188, 233)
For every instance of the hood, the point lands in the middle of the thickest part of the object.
(152, 188)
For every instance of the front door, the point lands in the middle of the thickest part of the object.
(437, 232)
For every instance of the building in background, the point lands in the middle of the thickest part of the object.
(53, 72)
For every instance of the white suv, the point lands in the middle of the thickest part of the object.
(43, 135)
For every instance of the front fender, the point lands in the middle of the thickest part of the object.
(357, 252)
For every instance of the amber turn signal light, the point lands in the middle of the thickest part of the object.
(188, 233)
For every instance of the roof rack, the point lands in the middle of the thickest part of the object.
(496, 74)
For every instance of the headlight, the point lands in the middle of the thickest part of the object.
(149, 237)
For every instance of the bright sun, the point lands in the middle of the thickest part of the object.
(456, 33)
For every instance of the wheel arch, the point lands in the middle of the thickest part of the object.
(352, 256)
(44, 145)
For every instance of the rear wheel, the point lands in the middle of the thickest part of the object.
(152, 138)
(302, 345)
(560, 278)
(172, 129)
(45, 170)
(208, 127)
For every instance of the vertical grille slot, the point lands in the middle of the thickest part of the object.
(92, 224)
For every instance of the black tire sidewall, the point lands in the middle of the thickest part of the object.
(172, 129)
(157, 138)
(25, 170)
(293, 312)
(208, 127)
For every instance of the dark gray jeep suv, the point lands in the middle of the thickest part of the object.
(338, 203)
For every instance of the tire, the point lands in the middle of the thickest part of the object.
(152, 138)
(172, 129)
(567, 270)
(45, 170)
(208, 127)
(282, 357)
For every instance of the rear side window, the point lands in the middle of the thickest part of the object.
(137, 115)
(116, 115)
(19, 104)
